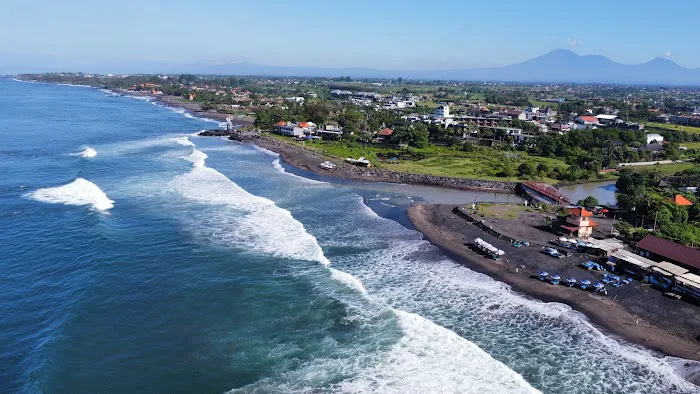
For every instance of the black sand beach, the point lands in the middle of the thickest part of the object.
(639, 315)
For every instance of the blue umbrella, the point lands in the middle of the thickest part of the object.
(598, 285)
(556, 277)
(544, 273)
(586, 282)
(571, 280)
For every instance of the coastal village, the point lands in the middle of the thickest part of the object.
(641, 252)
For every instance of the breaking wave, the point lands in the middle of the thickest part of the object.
(421, 351)
(245, 220)
(86, 153)
(78, 192)
(184, 141)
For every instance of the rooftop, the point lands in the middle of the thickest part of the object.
(671, 250)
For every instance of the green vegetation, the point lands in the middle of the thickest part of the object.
(588, 202)
(649, 207)
(673, 127)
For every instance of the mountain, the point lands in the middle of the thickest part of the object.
(558, 66)
(562, 66)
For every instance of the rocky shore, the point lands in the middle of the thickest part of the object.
(637, 314)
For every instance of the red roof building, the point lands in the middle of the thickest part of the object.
(587, 120)
(281, 123)
(680, 200)
(660, 249)
(578, 223)
(386, 132)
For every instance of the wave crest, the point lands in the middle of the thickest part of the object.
(78, 192)
(86, 153)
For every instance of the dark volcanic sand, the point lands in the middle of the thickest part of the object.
(635, 312)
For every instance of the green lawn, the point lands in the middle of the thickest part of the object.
(673, 127)
(690, 145)
(666, 169)
(440, 161)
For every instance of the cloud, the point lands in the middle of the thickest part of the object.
(668, 54)
(573, 43)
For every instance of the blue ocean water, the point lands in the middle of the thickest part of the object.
(136, 257)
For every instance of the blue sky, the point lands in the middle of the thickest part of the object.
(387, 34)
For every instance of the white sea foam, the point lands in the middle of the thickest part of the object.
(78, 192)
(184, 141)
(86, 153)
(347, 279)
(432, 359)
(244, 220)
(197, 158)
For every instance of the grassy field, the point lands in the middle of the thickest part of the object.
(440, 161)
(690, 145)
(673, 127)
(666, 169)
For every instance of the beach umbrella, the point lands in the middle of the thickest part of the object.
(571, 280)
(544, 273)
(500, 252)
(605, 211)
(556, 277)
(598, 285)
(586, 282)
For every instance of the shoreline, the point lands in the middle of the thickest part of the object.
(308, 160)
(601, 312)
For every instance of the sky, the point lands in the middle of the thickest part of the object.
(380, 34)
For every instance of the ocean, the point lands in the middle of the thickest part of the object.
(138, 257)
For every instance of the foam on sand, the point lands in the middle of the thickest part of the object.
(86, 153)
(78, 192)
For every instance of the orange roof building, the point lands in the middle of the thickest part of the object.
(578, 223)
(386, 132)
(281, 123)
(680, 200)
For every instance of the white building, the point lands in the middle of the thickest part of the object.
(606, 119)
(443, 111)
(654, 138)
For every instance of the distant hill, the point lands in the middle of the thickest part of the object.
(558, 66)
(562, 65)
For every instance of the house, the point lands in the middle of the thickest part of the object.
(290, 129)
(560, 127)
(442, 111)
(330, 132)
(384, 134)
(578, 223)
(679, 200)
(652, 138)
(606, 119)
(659, 249)
(587, 122)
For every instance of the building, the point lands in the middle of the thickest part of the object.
(579, 223)
(384, 134)
(679, 200)
(606, 119)
(443, 111)
(586, 122)
(659, 249)
(560, 127)
(655, 138)
(330, 132)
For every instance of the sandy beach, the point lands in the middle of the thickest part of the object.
(651, 320)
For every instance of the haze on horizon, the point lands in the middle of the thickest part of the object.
(389, 35)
